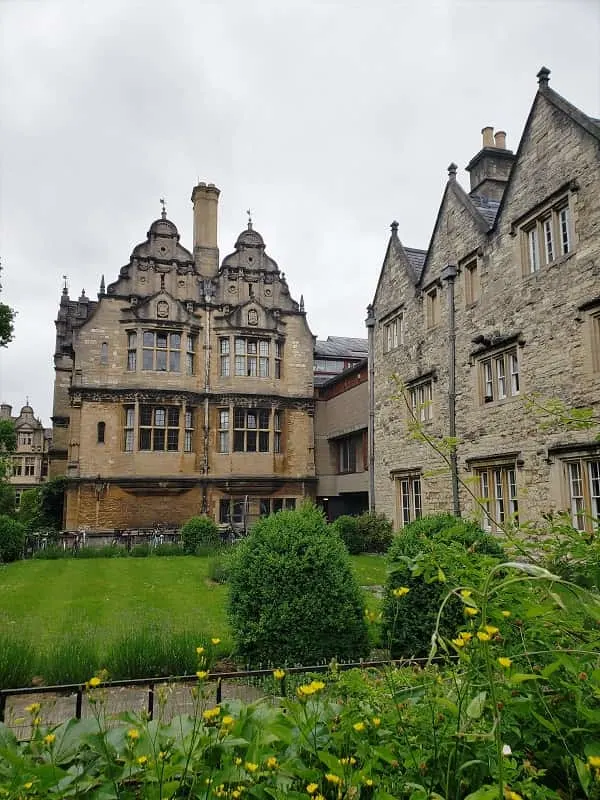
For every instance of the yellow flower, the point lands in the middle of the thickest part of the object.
(331, 778)
(345, 761)
(272, 762)
(401, 591)
(142, 760)
(319, 797)
(506, 614)
(594, 761)
(510, 795)
(470, 611)
(466, 635)
(491, 629)
(202, 674)
(227, 721)
(36, 721)
(199, 650)
(49, 738)
(216, 641)
(236, 794)
(312, 788)
(237, 761)
(133, 734)
(483, 636)
(33, 708)
(28, 785)
(458, 642)
(505, 662)
(368, 781)
(279, 674)
(359, 727)
(466, 593)
(93, 682)
(251, 766)
(211, 713)
(376, 722)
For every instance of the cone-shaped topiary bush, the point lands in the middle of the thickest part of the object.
(293, 598)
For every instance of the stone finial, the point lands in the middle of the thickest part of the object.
(394, 227)
(163, 213)
(452, 168)
(543, 77)
(102, 286)
(301, 302)
(65, 289)
(249, 212)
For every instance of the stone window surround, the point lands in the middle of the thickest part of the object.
(592, 312)
(392, 326)
(408, 491)
(470, 267)
(534, 219)
(134, 430)
(420, 396)
(253, 436)
(579, 462)
(431, 296)
(496, 358)
(498, 488)
(262, 366)
(187, 348)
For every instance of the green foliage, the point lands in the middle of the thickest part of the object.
(8, 436)
(147, 652)
(220, 565)
(7, 499)
(12, 539)
(30, 513)
(199, 532)
(293, 597)
(429, 554)
(367, 533)
(7, 327)
(52, 496)
(17, 660)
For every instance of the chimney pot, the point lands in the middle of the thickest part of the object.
(500, 140)
(488, 136)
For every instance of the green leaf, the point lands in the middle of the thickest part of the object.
(476, 706)
(583, 773)
(330, 761)
(484, 793)
(521, 677)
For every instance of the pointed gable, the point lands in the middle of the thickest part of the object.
(401, 269)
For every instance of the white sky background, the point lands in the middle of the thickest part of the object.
(327, 119)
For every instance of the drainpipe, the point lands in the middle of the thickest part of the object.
(207, 350)
(449, 274)
(370, 323)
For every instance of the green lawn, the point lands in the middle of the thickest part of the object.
(78, 614)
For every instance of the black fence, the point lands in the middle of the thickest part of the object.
(78, 690)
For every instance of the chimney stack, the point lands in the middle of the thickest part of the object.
(500, 140)
(205, 197)
(490, 168)
(488, 136)
(5, 411)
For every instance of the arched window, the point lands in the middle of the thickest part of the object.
(104, 353)
(101, 432)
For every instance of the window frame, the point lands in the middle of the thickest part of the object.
(498, 494)
(409, 497)
(547, 236)
(170, 352)
(498, 379)
(393, 332)
(421, 401)
(584, 507)
(472, 282)
(432, 307)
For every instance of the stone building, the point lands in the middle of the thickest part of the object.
(341, 447)
(499, 314)
(30, 459)
(186, 387)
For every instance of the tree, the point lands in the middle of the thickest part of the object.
(52, 499)
(7, 317)
(8, 444)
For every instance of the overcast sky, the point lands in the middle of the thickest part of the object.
(327, 119)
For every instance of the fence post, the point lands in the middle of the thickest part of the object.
(78, 702)
(219, 691)
(151, 701)
(2, 705)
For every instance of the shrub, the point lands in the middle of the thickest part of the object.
(429, 557)
(293, 596)
(347, 529)
(199, 532)
(368, 533)
(220, 566)
(12, 539)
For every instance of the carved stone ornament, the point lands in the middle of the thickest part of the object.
(162, 309)
(268, 292)
(143, 265)
(232, 288)
(253, 317)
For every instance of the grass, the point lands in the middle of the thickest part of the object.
(62, 620)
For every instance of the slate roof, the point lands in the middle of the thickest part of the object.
(416, 258)
(341, 346)
(486, 207)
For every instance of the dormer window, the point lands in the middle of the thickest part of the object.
(161, 351)
(547, 237)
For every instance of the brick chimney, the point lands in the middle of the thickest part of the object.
(205, 197)
(490, 168)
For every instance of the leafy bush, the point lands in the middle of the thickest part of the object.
(220, 566)
(199, 532)
(293, 596)
(12, 539)
(367, 533)
(430, 555)
(347, 529)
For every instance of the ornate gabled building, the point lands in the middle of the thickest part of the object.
(186, 387)
(500, 314)
(29, 462)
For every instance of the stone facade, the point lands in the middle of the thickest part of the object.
(186, 387)
(30, 460)
(516, 262)
(341, 451)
